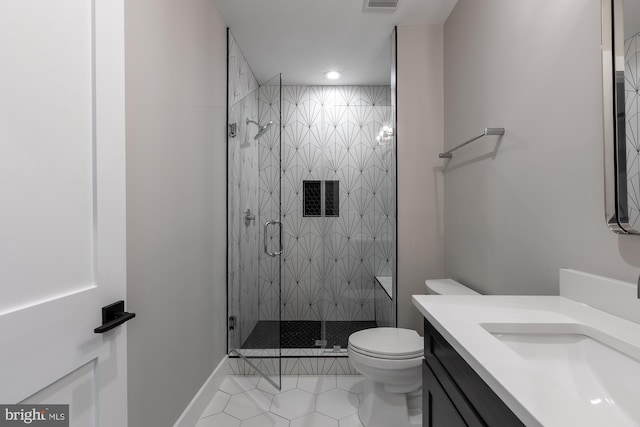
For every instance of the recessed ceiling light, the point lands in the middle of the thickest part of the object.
(332, 75)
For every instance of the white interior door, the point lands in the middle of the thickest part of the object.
(62, 206)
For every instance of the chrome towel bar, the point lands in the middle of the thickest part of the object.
(487, 131)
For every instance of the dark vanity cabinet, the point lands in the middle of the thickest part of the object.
(453, 394)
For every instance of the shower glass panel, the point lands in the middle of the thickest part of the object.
(338, 210)
(254, 229)
(312, 217)
(358, 245)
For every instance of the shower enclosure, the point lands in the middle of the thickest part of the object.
(311, 216)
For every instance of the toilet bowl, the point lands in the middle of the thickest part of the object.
(390, 359)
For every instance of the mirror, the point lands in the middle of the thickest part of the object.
(621, 94)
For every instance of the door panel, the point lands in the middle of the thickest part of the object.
(79, 389)
(62, 226)
(46, 164)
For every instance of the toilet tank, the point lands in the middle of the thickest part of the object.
(447, 287)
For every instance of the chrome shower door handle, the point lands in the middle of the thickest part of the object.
(266, 241)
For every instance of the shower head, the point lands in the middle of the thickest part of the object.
(261, 128)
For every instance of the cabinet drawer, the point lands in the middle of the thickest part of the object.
(442, 403)
(456, 376)
(437, 408)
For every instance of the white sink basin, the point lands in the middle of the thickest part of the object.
(590, 365)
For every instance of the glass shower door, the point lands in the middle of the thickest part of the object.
(255, 230)
(357, 211)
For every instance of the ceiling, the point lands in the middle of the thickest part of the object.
(302, 39)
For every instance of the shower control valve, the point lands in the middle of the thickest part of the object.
(248, 217)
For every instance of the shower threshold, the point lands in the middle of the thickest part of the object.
(297, 338)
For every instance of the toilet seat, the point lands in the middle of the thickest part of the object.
(387, 343)
(363, 361)
(386, 356)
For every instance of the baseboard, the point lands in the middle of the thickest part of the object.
(198, 404)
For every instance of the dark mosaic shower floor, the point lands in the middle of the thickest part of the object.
(302, 333)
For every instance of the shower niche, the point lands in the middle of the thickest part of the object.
(321, 198)
(325, 182)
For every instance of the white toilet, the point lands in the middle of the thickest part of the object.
(391, 361)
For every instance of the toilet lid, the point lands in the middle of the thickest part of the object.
(388, 342)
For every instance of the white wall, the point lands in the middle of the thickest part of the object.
(518, 210)
(176, 108)
(420, 187)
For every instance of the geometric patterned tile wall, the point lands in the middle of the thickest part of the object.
(632, 87)
(384, 307)
(269, 153)
(328, 264)
(242, 175)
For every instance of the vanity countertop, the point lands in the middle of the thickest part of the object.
(537, 396)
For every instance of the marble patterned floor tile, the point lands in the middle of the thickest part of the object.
(217, 404)
(314, 419)
(234, 384)
(317, 384)
(218, 420)
(266, 420)
(287, 382)
(351, 421)
(248, 404)
(304, 401)
(293, 404)
(337, 403)
(352, 383)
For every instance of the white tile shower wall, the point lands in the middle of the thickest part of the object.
(242, 183)
(328, 264)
